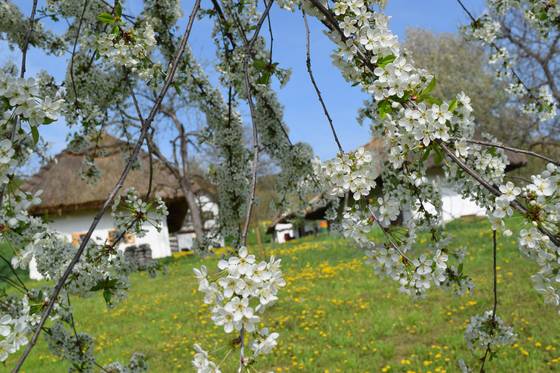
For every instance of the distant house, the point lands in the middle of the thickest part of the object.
(291, 225)
(69, 202)
(453, 204)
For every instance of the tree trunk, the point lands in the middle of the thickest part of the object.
(194, 208)
(186, 185)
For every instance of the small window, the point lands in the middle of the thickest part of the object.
(207, 215)
(112, 237)
(77, 238)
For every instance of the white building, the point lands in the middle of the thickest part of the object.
(69, 203)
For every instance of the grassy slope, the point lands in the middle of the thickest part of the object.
(334, 315)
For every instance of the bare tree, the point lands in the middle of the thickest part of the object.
(537, 62)
(461, 65)
(179, 162)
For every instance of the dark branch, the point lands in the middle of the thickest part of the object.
(310, 72)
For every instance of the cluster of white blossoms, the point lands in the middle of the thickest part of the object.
(21, 97)
(542, 198)
(131, 49)
(542, 14)
(485, 29)
(353, 172)
(15, 325)
(411, 124)
(202, 363)
(130, 212)
(544, 105)
(488, 331)
(539, 13)
(243, 290)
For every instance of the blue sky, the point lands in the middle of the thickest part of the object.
(303, 113)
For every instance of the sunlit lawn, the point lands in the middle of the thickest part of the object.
(334, 315)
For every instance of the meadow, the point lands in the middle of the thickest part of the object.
(334, 315)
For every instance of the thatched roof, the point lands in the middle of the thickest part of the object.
(65, 190)
(316, 209)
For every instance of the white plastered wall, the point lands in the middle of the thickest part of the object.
(79, 222)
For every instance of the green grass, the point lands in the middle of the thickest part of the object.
(335, 315)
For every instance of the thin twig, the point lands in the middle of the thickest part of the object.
(73, 325)
(497, 48)
(155, 109)
(151, 165)
(271, 37)
(260, 23)
(14, 272)
(241, 349)
(512, 149)
(495, 269)
(491, 188)
(310, 72)
(248, 52)
(74, 52)
(27, 40)
(231, 39)
(252, 192)
(495, 288)
(384, 230)
(332, 24)
(14, 284)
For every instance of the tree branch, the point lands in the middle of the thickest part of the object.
(512, 149)
(310, 72)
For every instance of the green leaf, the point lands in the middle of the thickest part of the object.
(264, 78)
(431, 100)
(106, 18)
(453, 105)
(35, 134)
(384, 107)
(429, 88)
(118, 9)
(177, 88)
(439, 156)
(384, 61)
(260, 64)
(426, 153)
(105, 284)
(107, 295)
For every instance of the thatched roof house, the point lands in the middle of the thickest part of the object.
(316, 208)
(69, 202)
(66, 191)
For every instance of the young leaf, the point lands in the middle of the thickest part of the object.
(384, 108)
(426, 153)
(177, 88)
(453, 105)
(107, 295)
(429, 88)
(439, 156)
(264, 78)
(118, 9)
(384, 61)
(106, 18)
(35, 134)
